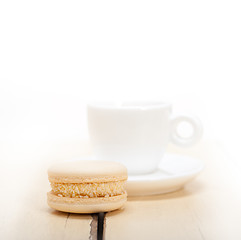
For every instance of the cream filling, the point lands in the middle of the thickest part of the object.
(88, 190)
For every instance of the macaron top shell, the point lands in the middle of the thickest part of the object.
(87, 171)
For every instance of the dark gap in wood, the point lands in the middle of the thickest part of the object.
(100, 227)
(104, 226)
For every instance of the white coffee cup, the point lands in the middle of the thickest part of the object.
(137, 133)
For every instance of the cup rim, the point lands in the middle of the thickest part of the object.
(129, 105)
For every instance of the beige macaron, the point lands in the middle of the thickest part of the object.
(87, 186)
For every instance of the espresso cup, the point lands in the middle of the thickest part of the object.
(137, 134)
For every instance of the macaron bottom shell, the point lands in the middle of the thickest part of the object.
(86, 205)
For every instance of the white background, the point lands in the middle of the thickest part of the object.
(55, 56)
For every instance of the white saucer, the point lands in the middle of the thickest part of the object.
(173, 173)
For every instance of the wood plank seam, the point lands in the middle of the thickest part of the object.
(94, 227)
(101, 219)
(66, 220)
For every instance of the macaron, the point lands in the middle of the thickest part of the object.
(87, 186)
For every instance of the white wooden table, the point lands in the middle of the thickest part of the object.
(207, 208)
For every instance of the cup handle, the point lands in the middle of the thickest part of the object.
(186, 141)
